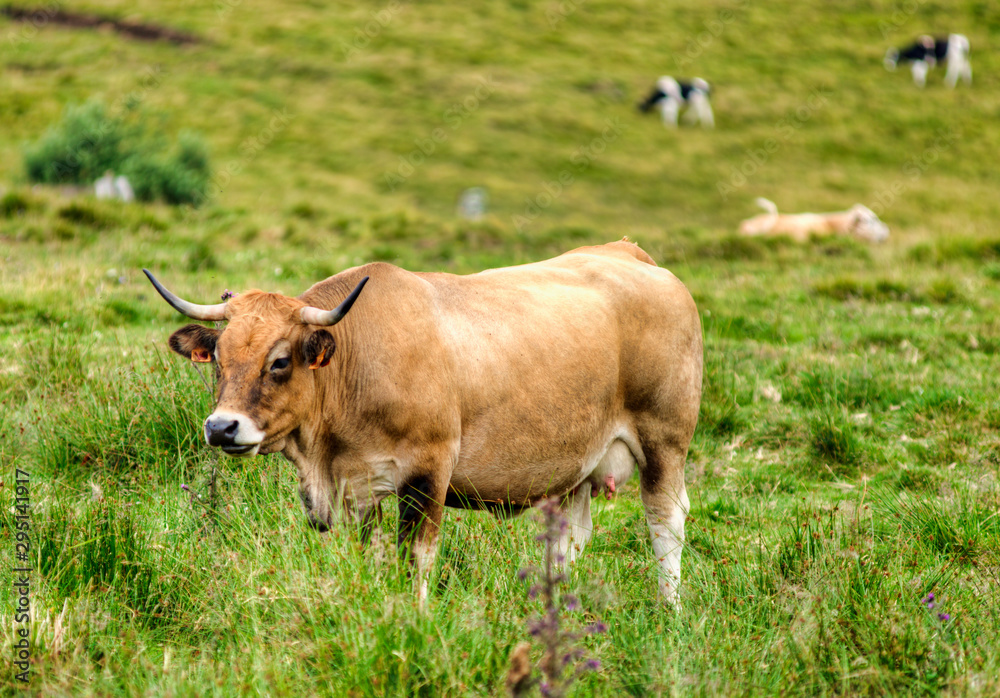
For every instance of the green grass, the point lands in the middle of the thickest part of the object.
(847, 458)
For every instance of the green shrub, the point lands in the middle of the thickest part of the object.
(180, 178)
(89, 142)
(78, 150)
(15, 203)
(166, 179)
(305, 211)
(992, 271)
(944, 290)
(87, 214)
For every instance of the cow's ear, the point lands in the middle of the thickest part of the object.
(318, 349)
(195, 342)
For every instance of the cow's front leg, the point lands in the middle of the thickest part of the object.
(371, 521)
(421, 508)
(317, 504)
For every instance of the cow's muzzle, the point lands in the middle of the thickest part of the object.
(235, 434)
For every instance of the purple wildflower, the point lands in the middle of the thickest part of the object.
(598, 627)
(227, 294)
(572, 603)
(944, 617)
(522, 574)
(185, 488)
(593, 664)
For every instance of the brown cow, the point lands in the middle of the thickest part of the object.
(492, 390)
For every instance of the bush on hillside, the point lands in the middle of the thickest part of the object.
(77, 151)
(180, 178)
(88, 142)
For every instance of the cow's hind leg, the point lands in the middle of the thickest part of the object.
(576, 508)
(666, 502)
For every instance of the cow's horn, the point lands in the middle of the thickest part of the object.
(327, 318)
(196, 312)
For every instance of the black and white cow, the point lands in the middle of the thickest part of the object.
(671, 95)
(926, 52)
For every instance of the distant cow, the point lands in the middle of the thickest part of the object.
(859, 220)
(491, 391)
(670, 95)
(926, 52)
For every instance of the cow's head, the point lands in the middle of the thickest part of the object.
(866, 224)
(263, 358)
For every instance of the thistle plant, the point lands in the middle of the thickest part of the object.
(562, 660)
(930, 604)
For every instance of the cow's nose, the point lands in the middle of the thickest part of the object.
(221, 431)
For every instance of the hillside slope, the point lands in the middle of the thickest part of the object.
(374, 106)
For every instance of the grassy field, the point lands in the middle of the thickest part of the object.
(847, 457)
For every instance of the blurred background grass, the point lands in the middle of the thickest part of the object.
(363, 84)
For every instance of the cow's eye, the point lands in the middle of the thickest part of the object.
(280, 364)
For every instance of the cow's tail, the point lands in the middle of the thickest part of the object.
(767, 205)
(761, 225)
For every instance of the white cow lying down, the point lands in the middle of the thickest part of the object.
(859, 220)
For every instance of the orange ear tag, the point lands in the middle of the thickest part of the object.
(201, 356)
(320, 361)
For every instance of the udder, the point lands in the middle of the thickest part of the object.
(612, 471)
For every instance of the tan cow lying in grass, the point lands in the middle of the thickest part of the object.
(859, 220)
(491, 391)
